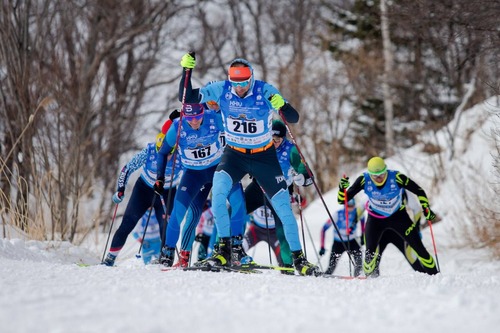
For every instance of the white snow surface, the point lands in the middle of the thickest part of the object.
(43, 290)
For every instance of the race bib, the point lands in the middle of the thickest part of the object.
(245, 126)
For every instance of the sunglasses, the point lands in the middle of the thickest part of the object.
(277, 139)
(378, 176)
(195, 117)
(242, 84)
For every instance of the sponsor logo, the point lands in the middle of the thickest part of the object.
(410, 229)
(235, 103)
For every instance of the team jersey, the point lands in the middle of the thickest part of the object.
(147, 158)
(386, 200)
(248, 119)
(259, 218)
(199, 149)
(340, 220)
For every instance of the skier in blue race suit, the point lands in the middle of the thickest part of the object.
(247, 106)
(149, 227)
(200, 149)
(387, 212)
(347, 231)
(142, 194)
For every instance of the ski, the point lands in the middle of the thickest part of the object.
(216, 269)
(344, 277)
(81, 264)
(241, 269)
(276, 268)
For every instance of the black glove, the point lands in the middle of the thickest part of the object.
(158, 186)
(344, 183)
(322, 251)
(174, 115)
(429, 214)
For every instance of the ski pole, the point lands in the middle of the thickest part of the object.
(174, 154)
(346, 208)
(308, 230)
(309, 172)
(138, 255)
(109, 233)
(267, 228)
(434, 245)
(302, 222)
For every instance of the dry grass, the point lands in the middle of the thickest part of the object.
(479, 224)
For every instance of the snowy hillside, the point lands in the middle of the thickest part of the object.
(43, 290)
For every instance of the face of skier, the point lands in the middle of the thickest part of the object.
(379, 179)
(277, 141)
(240, 77)
(195, 121)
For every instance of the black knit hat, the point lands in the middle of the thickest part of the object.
(279, 129)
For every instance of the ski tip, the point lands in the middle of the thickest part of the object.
(81, 264)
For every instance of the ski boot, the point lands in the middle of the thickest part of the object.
(167, 256)
(183, 259)
(238, 255)
(303, 266)
(220, 257)
(109, 260)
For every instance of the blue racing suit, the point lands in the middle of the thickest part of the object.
(200, 152)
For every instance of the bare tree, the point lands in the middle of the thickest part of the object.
(95, 60)
(387, 79)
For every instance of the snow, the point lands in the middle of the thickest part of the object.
(43, 290)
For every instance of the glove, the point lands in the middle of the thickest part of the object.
(302, 180)
(158, 186)
(429, 214)
(119, 195)
(322, 251)
(159, 141)
(174, 114)
(344, 183)
(299, 180)
(188, 61)
(277, 101)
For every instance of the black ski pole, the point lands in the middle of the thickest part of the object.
(267, 228)
(309, 172)
(109, 233)
(138, 255)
